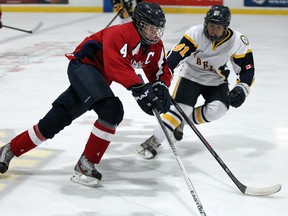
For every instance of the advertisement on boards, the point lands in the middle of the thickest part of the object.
(34, 2)
(188, 2)
(266, 3)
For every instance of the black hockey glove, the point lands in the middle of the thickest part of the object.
(146, 98)
(124, 7)
(238, 94)
(88, 50)
(162, 92)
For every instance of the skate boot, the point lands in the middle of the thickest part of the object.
(148, 148)
(178, 132)
(6, 156)
(85, 173)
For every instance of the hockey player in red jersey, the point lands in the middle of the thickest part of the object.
(110, 55)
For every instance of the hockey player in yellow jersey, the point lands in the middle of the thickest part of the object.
(203, 53)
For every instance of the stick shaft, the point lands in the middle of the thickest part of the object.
(113, 19)
(243, 188)
(18, 29)
(179, 161)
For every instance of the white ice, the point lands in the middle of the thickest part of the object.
(251, 140)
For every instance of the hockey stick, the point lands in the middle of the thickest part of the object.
(93, 32)
(27, 31)
(113, 19)
(178, 159)
(243, 188)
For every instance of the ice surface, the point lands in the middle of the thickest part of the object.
(251, 140)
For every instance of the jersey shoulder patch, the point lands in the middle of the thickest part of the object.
(244, 39)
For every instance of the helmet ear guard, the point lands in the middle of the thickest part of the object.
(150, 21)
(219, 15)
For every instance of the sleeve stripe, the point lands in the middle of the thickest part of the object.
(241, 55)
(191, 40)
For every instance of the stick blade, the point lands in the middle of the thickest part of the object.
(263, 191)
(91, 32)
(37, 27)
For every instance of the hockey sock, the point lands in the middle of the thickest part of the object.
(99, 140)
(26, 141)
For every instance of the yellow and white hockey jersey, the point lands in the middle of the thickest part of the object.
(205, 61)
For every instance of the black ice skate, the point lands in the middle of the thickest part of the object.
(148, 148)
(85, 173)
(6, 156)
(178, 132)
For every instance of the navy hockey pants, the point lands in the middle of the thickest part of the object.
(88, 90)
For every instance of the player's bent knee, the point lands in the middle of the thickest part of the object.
(54, 121)
(215, 110)
(110, 110)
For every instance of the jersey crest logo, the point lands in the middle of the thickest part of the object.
(244, 40)
(136, 65)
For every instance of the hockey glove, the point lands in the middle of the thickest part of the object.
(118, 5)
(88, 50)
(238, 94)
(162, 92)
(124, 7)
(146, 98)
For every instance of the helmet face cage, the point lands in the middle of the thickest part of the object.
(149, 20)
(150, 34)
(219, 15)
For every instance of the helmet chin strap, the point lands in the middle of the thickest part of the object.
(213, 38)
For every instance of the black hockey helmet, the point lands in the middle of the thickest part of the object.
(149, 20)
(219, 15)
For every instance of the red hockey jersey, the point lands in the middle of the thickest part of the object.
(122, 52)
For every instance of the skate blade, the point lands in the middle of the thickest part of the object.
(144, 153)
(79, 178)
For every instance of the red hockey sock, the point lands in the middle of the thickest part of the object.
(26, 141)
(98, 142)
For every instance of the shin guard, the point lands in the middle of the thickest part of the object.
(26, 141)
(98, 141)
